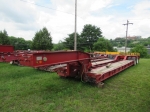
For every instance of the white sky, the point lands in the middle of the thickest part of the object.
(22, 18)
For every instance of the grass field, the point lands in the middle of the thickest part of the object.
(24, 89)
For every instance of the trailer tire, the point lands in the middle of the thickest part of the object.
(135, 60)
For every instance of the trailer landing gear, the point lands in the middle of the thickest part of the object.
(100, 85)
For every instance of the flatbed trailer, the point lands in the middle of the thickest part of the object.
(79, 64)
(6, 52)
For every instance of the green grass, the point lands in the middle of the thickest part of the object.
(24, 89)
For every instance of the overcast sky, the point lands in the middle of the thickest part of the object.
(23, 18)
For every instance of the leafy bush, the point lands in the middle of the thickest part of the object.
(140, 49)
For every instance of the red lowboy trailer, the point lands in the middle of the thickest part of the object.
(93, 68)
(6, 52)
(79, 64)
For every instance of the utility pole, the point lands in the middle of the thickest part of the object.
(75, 34)
(126, 35)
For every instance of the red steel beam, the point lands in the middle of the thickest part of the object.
(52, 58)
(6, 48)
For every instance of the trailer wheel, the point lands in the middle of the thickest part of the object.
(100, 85)
(84, 78)
(135, 60)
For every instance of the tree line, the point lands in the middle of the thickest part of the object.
(120, 42)
(18, 42)
(89, 40)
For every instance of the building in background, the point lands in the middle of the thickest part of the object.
(148, 50)
(131, 37)
(122, 49)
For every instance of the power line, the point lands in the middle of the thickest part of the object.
(52, 9)
(46, 7)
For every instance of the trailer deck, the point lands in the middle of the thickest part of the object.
(102, 62)
(113, 66)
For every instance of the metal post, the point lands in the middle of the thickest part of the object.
(75, 35)
(126, 35)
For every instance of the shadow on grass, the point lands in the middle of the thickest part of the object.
(64, 87)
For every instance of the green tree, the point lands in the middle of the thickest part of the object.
(119, 42)
(29, 44)
(12, 40)
(4, 38)
(103, 45)
(21, 44)
(59, 46)
(89, 35)
(42, 40)
(148, 41)
(140, 49)
(69, 42)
